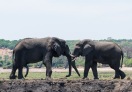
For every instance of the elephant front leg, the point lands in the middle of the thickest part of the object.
(94, 70)
(48, 69)
(48, 64)
(88, 63)
(86, 70)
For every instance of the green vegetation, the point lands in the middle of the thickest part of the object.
(8, 44)
(59, 75)
(6, 62)
(126, 45)
(128, 62)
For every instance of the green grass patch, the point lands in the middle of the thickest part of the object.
(57, 75)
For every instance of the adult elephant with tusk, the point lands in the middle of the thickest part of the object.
(32, 50)
(103, 52)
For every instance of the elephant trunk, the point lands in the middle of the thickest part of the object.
(73, 64)
(69, 62)
(73, 57)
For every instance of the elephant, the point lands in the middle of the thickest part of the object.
(102, 52)
(32, 50)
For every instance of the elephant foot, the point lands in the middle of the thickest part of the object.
(48, 78)
(68, 75)
(21, 77)
(123, 76)
(96, 78)
(79, 75)
(13, 76)
(85, 78)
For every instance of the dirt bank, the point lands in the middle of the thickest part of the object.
(63, 85)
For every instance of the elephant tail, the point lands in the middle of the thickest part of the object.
(13, 57)
(26, 66)
(122, 56)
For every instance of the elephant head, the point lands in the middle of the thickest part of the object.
(83, 48)
(61, 48)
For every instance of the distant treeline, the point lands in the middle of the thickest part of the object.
(11, 44)
(126, 45)
(8, 44)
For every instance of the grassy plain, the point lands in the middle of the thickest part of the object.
(61, 75)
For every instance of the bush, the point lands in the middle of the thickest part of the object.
(128, 62)
(80, 61)
(7, 67)
(7, 64)
(1, 63)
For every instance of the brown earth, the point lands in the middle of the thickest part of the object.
(63, 85)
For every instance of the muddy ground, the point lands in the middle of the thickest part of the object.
(63, 85)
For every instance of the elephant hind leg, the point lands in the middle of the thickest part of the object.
(12, 75)
(20, 75)
(117, 74)
(122, 74)
(94, 69)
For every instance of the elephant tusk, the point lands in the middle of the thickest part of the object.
(72, 55)
(74, 58)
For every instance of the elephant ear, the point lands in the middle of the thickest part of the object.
(67, 50)
(87, 49)
(57, 49)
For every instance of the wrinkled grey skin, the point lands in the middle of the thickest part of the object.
(102, 52)
(32, 50)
